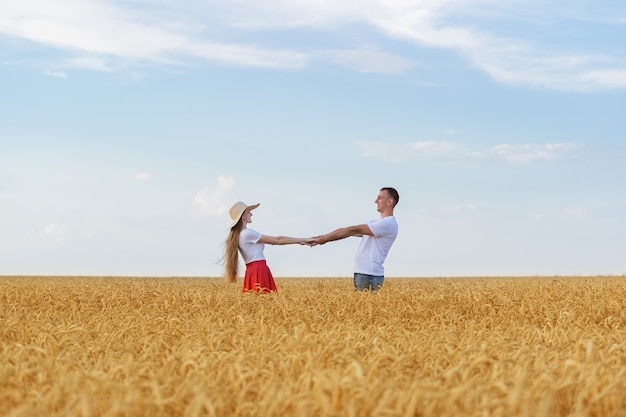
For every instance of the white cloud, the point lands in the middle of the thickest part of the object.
(605, 78)
(393, 152)
(269, 14)
(142, 176)
(211, 202)
(437, 150)
(55, 230)
(523, 59)
(601, 209)
(508, 59)
(495, 37)
(93, 63)
(101, 35)
(370, 59)
(523, 154)
(58, 74)
(524, 64)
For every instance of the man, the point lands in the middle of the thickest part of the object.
(377, 236)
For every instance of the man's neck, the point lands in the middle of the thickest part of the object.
(386, 214)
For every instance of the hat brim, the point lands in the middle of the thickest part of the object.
(236, 220)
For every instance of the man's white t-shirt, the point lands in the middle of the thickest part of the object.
(374, 249)
(249, 246)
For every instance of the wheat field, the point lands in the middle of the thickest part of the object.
(96, 346)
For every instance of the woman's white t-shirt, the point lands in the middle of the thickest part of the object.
(249, 247)
(374, 249)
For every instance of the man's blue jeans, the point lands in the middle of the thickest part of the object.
(364, 282)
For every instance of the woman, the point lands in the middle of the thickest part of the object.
(251, 243)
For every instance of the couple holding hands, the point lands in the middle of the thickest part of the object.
(377, 236)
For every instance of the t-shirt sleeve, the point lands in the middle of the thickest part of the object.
(382, 227)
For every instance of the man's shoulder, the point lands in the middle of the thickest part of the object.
(384, 226)
(386, 219)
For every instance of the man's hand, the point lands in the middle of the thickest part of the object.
(317, 240)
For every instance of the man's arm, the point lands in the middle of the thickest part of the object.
(344, 232)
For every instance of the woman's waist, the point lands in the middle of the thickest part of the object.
(255, 262)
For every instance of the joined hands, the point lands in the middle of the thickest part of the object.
(312, 241)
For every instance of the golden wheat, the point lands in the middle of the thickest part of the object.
(420, 347)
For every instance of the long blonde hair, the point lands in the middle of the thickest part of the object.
(231, 255)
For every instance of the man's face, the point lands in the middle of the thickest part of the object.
(382, 200)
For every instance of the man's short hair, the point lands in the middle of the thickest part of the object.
(393, 193)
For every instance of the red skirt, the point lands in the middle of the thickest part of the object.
(258, 278)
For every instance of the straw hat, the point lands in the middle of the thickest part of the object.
(237, 210)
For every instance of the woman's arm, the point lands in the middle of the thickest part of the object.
(284, 240)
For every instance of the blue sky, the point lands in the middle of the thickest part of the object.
(127, 129)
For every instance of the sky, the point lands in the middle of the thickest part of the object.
(129, 127)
